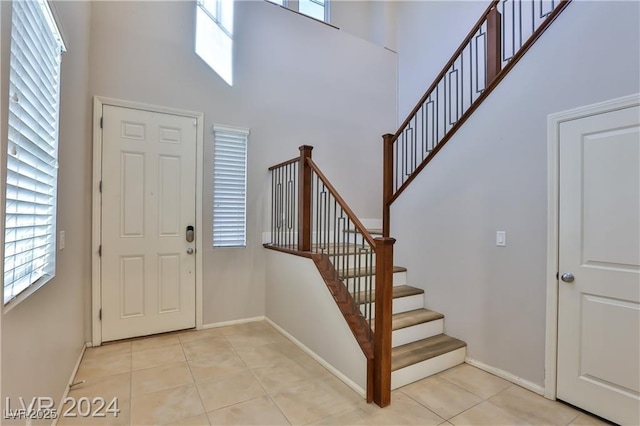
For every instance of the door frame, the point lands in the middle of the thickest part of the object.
(96, 216)
(553, 210)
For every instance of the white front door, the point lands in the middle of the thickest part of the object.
(599, 311)
(148, 203)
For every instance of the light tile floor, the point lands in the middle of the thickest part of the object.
(250, 374)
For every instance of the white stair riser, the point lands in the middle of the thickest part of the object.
(399, 278)
(416, 332)
(402, 304)
(415, 372)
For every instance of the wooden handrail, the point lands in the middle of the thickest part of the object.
(284, 163)
(359, 226)
(464, 43)
(494, 76)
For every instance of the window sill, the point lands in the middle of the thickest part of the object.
(24, 294)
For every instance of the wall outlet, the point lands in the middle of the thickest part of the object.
(501, 238)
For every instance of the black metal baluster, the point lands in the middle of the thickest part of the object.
(335, 236)
(325, 204)
(296, 228)
(288, 208)
(520, 22)
(316, 235)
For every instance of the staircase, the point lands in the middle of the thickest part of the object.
(402, 340)
(419, 346)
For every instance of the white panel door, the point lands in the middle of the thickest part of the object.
(599, 311)
(148, 201)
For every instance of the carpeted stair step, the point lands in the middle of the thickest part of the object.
(415, 325)
(398, 292)
(363, 272)
(411, 318)
(423, 358)
(375, 232)
(405, 298)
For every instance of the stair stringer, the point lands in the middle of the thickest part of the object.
(352, 315)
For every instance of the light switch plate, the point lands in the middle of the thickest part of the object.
(501, 238)
(62, 241)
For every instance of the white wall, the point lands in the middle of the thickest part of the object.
(299, 301)
(2, 166)
(43, 336)
(428, 32)
(297, 81)
(371, 20)
(492, 176)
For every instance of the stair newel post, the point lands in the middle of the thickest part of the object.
(304, 199)
(384, 312)
(494, 45)
(387, 182)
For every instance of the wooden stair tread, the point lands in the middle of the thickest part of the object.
(341, 249)
(398, 292)
(411, 318)
(372, 231)
(334, 249)
(361, 272)
(419, 316)
(422, 350)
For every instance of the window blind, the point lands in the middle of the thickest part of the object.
(229, 186)
(30, 205)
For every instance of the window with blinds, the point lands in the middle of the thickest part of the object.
(229, 186)
(30, 205)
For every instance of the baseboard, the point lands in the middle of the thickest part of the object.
(232, 322)
(507, 376)
(347, 381)
(70, 382)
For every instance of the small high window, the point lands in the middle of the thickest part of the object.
(318, 9)
(214, 36)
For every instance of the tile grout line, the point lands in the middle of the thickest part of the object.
(195, 384)
(267, 393)
(473, 393)
(422, 405)
(494, 406)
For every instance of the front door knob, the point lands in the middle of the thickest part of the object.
(567, 277)
(189, 250)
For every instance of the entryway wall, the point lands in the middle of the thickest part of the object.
(137, 55)
(43, 335)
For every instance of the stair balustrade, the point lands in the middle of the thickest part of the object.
(502, 35)
(284, 206)
(310, 218)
